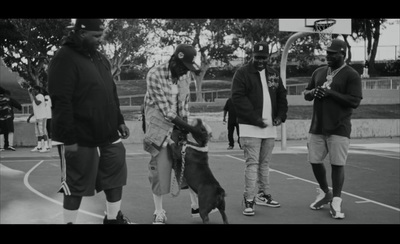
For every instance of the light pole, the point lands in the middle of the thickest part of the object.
(283, 77)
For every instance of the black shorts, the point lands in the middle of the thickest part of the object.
(93, 169)
(6, 126)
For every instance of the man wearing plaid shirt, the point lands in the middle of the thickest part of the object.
(166, 109)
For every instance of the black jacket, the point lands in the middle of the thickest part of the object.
(247, 95)
(85, 105)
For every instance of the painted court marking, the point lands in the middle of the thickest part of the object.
(291, 177)
(315, 183)
(26, 182)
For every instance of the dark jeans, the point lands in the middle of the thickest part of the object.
(231, 128)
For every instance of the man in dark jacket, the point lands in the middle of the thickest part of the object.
(260, 101)
(87, 121)
(9, 137)
(232, 123)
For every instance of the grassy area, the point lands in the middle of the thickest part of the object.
(388, 111)
(136, 87)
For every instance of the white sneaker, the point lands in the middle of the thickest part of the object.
(248, 207)
(36, 149)
(321, 199)
(336, 208)
(160, 217)
(45, 150)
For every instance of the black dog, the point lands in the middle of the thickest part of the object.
(196, 171)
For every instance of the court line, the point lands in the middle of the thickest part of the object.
(315, 183)
(26, 182)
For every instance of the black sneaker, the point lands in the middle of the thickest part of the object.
(248, 207)
(196, 212)
(121, 220)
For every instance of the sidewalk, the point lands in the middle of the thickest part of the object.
(292, 146)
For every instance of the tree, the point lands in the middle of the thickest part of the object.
(123, 39)
(369, 30)
(208, 36)
(252, 31)
(26, 45)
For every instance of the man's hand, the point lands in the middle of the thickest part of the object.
(321, 92)
(277, 121)
(124, 131)
(260, 123)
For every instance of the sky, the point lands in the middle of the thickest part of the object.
(389, 43)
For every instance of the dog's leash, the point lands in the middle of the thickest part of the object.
(183, 155)
(185, 144)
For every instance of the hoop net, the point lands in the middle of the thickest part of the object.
(325, 33)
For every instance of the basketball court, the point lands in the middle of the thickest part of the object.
(30, 181)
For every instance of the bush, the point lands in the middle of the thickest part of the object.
(216, 73)
(393, 67)
(134, 74)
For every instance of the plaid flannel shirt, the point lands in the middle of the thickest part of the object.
(159, 81)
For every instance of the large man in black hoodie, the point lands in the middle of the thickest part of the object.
(88, 123)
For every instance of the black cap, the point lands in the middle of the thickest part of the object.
(89, 24)
(186, 53)
(337, 45)
(261, 49)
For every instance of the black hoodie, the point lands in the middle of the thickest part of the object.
(85, 105)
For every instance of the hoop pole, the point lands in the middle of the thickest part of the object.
(289, 43)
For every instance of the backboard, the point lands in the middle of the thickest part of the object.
(342, 26)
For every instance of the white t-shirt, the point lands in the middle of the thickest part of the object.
(47, 102)
(39, 110)
(255, 131)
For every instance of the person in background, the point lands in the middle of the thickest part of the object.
(87, 123)
(261, 105)
(9, 137)
(142, 118)
(5, 114)
(232, 123)
(39, 111)
(336, 90)
(47, 101)
(167, 109)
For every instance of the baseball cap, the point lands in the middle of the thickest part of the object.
(89, 24)
(261, 49)
(186, 53)
(337, 45)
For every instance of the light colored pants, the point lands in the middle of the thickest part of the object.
(319, 146)
(160, 169)
(40, 127)
(257, 153)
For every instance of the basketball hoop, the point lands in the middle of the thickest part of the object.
(321, 26)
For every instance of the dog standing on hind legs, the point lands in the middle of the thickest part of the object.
(192, 157)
